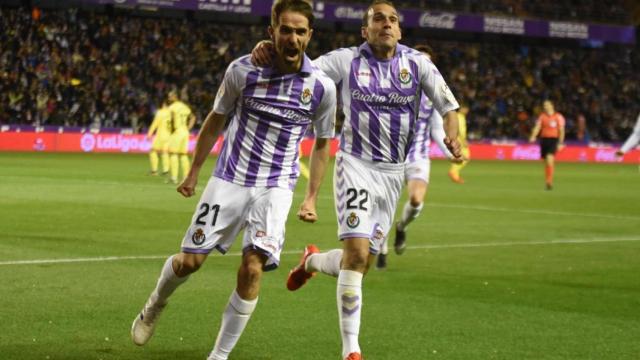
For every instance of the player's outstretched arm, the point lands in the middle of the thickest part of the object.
(317, 168)
(535, 131)
(451, 131)
(206, 139)
(436, 129)
(632, 141)
(262, 54)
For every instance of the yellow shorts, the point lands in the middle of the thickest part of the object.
(179, 142)
(161, 143)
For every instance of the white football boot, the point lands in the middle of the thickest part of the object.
(145, 323)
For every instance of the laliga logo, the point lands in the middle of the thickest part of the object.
(88, 142)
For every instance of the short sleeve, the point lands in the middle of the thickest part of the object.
(325, 114)
(229, 90)
(334, 63)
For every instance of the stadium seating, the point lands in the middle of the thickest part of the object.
(95, 69)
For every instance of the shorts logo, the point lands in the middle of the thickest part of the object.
(260, 233)
(198, 237)
(353, 220)
(405, 76)
(305, 97)
(379, 235)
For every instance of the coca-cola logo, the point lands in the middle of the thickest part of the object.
(348, 12)
(438, 20)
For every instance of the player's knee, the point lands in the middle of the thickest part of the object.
(416, 199)
(251, 272)
(355, 261)
(187, 264)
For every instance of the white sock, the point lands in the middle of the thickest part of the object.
(167, 283)
(384, 249)
(349, 296)
(234, 319)
(409, 213)
(327, 263)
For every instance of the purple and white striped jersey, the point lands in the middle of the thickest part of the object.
(381, 99)
(270, 113)
(429, 126)
(421, 143)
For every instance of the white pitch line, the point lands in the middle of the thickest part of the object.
(532, 211)
(296, 252)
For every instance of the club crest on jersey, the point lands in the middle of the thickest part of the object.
(405, 76)
(353, 220)
(305, 97)
(198, 237)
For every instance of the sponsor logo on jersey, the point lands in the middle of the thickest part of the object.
(405, 76)
(353, 220)
(305, 97)
(198, 237)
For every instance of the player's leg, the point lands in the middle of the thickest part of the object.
(370, 194)
(241, 304)
(175, 272)
(262, 244)
(153, 162)
(355, 261)
(153, 155)
(417, 190)
(549, 170)
(164, 156)
(417, 175)
(381, 261)
(174, 158)
(184, 157)
(174, 168)
(217, 219)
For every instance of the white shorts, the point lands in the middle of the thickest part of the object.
(418, 170)
(366, 195)
(225, 209)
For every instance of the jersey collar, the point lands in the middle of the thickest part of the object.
(365, 50)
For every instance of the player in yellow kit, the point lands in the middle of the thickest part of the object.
(456, 166)
(161, 126)
(182, 120)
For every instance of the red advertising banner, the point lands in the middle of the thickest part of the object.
(124, 143)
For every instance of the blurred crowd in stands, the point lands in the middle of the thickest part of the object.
(79, 68)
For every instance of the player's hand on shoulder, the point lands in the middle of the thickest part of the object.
(188, 186)
(262, 53)
(307, 212)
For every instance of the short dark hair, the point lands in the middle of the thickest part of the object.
(424, 48)
(365, 16)
(301, 6)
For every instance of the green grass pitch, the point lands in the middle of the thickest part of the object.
(497, 268)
